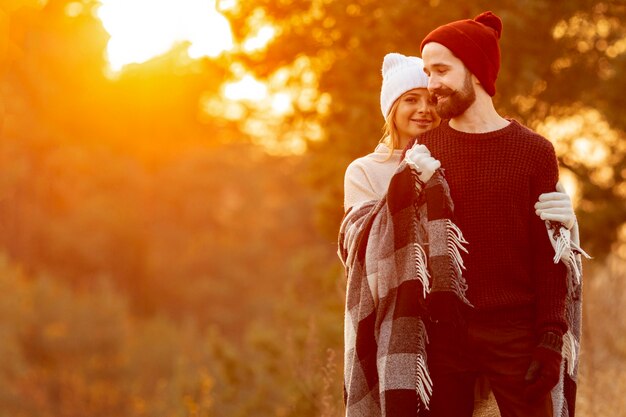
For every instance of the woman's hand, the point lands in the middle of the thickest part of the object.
(426, 165)
(557, 207)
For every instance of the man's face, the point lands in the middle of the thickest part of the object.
(449, 81)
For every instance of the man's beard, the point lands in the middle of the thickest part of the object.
(458, 100)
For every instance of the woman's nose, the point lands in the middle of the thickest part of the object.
(422, 106)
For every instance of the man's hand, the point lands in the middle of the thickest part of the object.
(557, 207)
(426, 165)
(545, 367)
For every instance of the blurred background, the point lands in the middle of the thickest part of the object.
(171, 176)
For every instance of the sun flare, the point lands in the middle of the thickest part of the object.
(143, 29)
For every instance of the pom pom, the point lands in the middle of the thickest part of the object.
(391, 60)
(491, 20)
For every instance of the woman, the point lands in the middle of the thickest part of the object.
(378, 208)
(408, 111)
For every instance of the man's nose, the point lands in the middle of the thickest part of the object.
(433, 83)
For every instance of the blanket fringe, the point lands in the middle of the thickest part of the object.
(566, 251)
(423, 381)
(562, 244)
(421, 259)
(421, 268)
(570, 351)
(456, 243)
(574, 263)
(579, 251)
(574, 270)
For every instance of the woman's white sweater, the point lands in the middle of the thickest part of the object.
(367, 178)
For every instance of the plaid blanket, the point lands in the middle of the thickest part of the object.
(396, 251)
(383, 245)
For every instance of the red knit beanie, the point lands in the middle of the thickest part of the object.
(475, 42)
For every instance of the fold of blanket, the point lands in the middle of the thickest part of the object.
(395, 252)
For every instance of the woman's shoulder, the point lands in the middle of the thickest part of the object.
(381, 156)
(367, 177)
(376, 167)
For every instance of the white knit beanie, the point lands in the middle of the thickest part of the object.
(400, 74)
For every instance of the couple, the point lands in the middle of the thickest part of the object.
(466, 273)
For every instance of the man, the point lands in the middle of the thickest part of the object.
(496, 169)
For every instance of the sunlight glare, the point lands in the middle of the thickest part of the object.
(74, 9)
(281, 103)
(248, 88)
(569, 181)
(224, 5)
(143, 29)
(582, 137)
(260, 40)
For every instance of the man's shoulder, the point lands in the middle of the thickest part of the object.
(535, 148)
(532, 138)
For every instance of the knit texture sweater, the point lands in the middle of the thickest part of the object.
(495, 178)
(367, 178)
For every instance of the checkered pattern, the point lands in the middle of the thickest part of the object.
(383, 247)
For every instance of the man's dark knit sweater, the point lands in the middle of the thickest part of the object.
(495, 179)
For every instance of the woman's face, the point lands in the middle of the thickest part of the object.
(415, 114)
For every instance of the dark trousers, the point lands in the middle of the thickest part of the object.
(497, 347)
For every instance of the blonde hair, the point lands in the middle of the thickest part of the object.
(391, 137)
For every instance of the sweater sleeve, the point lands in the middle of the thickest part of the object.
(550, 278)
(357, 186)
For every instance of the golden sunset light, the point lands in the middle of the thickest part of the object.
(581, 137)
(260, 39)
(143, 29)
(192, 193)
(248, 88)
